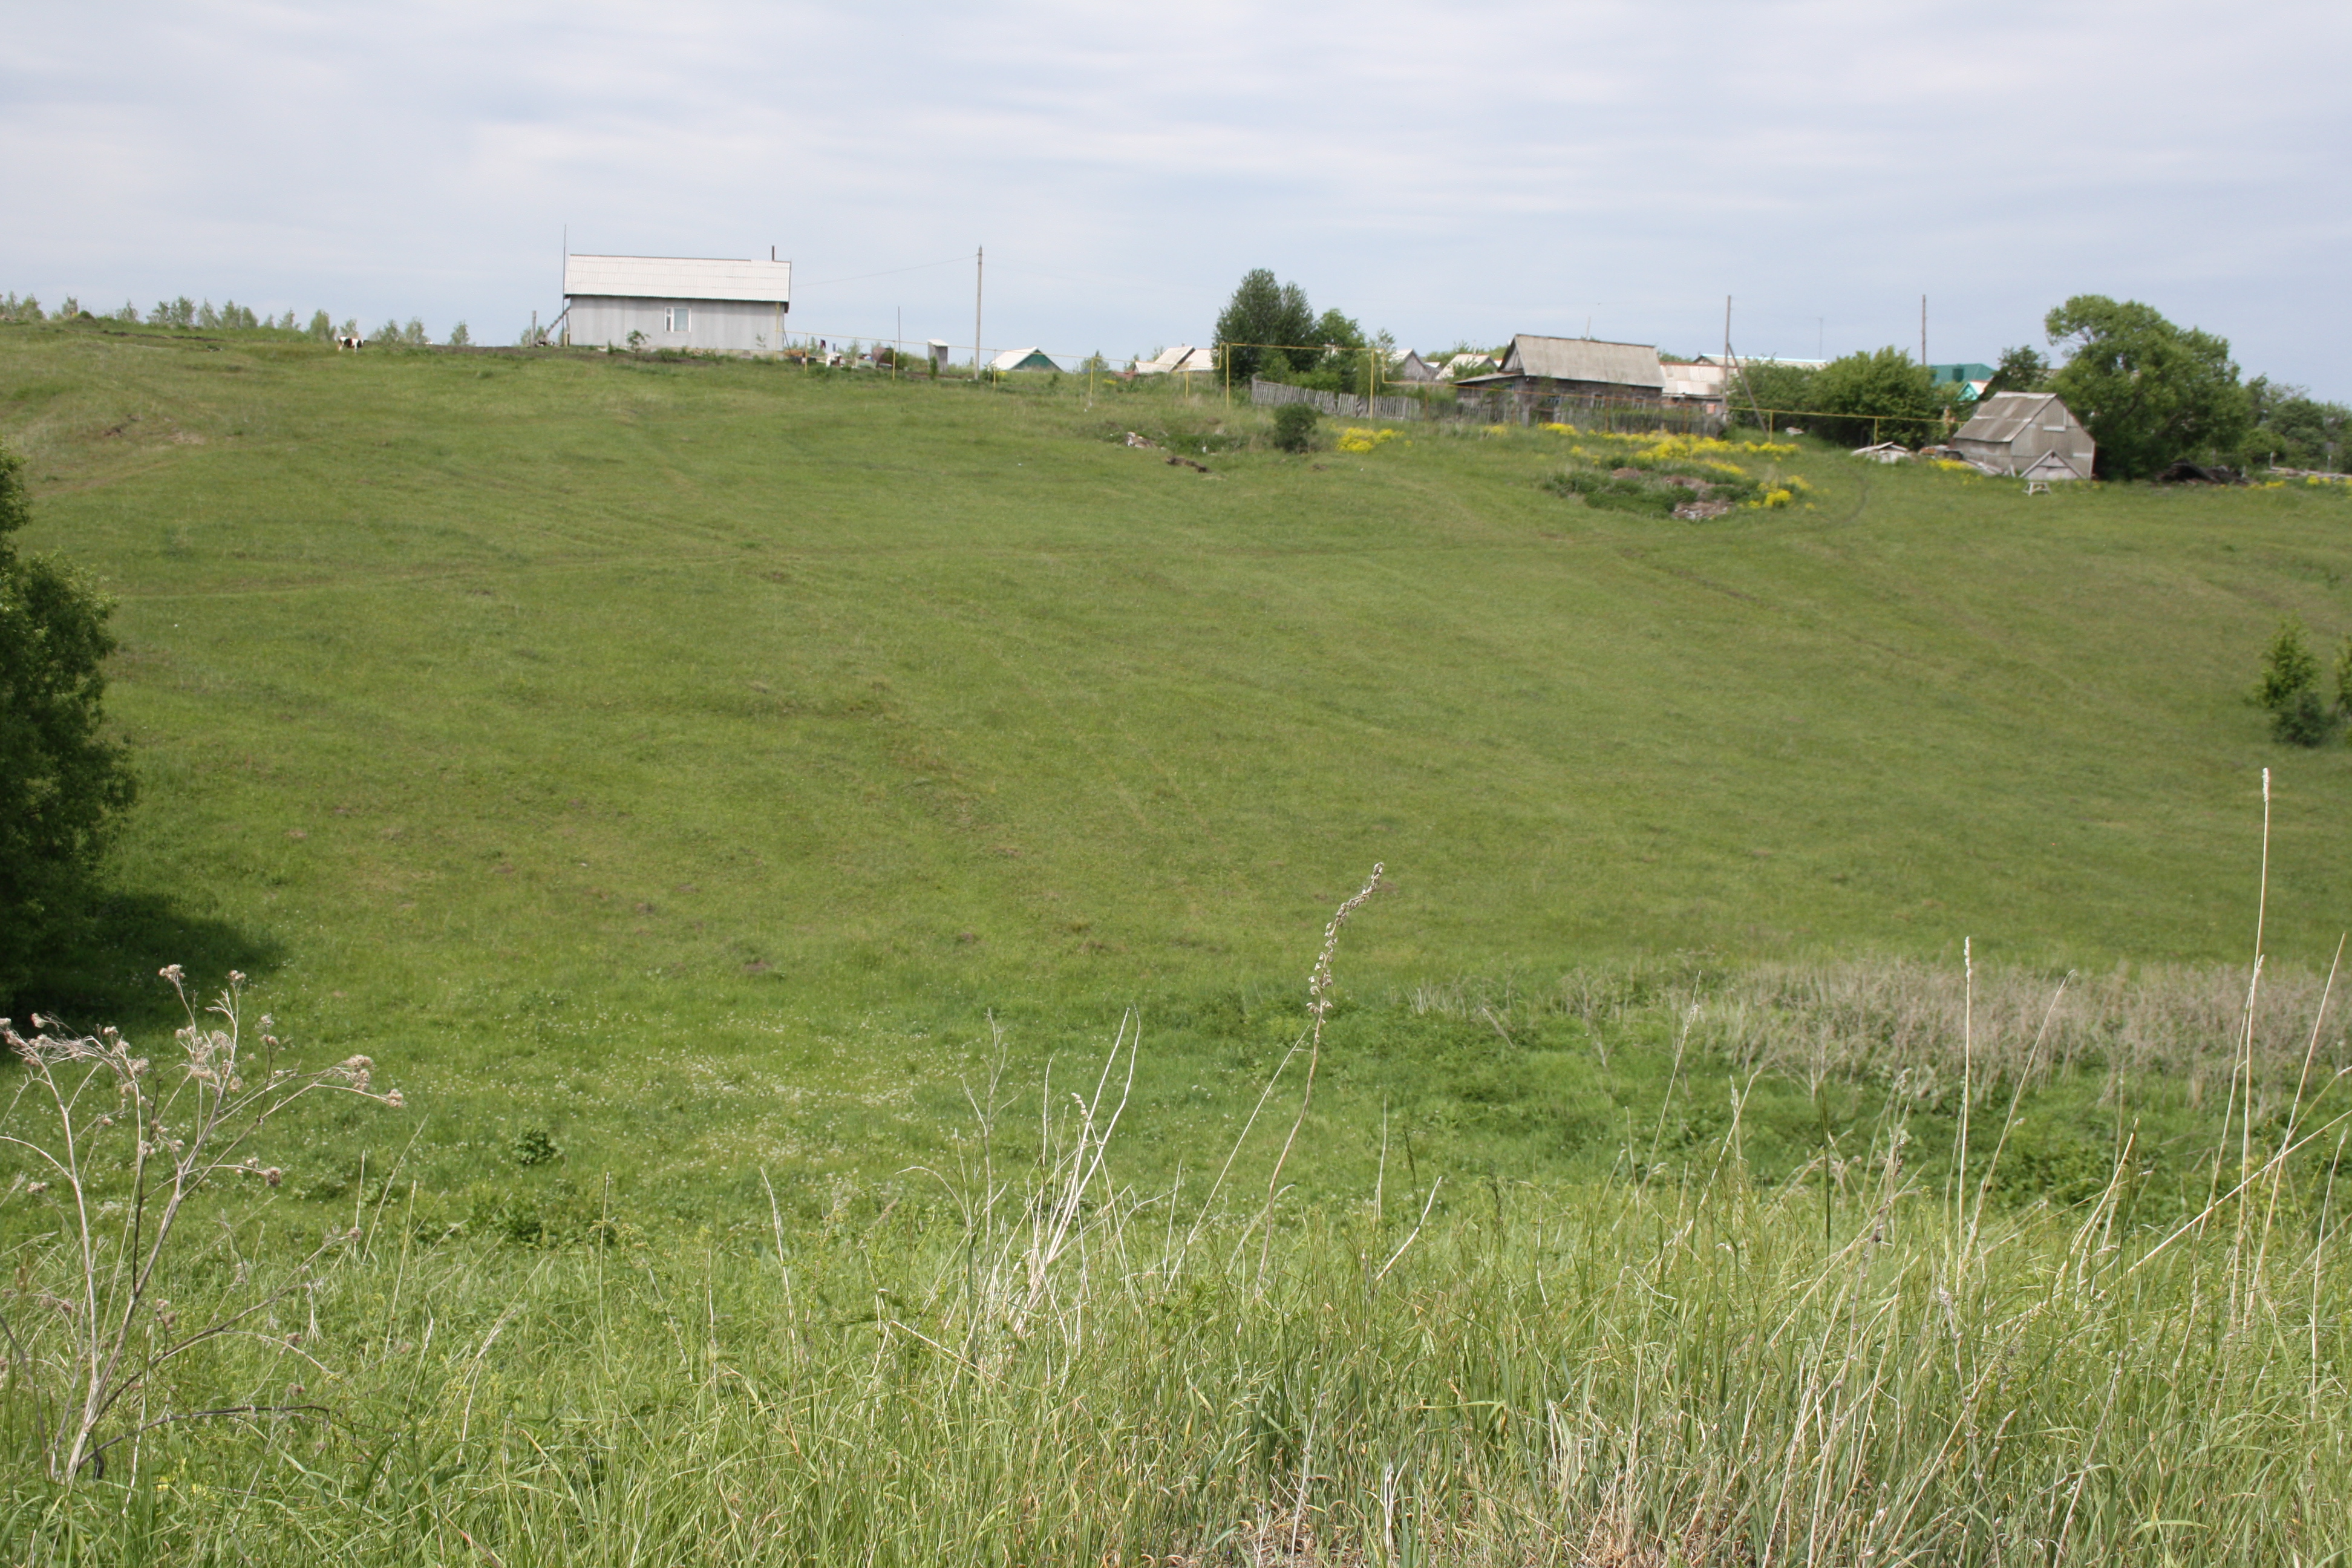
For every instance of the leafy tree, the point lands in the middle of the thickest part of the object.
(64, 783)
(1265, 310)
(321, 327)
(1339, 365)
(2344, 680)
(2289, 427)
(2290, 688)
(1890, 385)
(2021, 369)
(1779, 392)
(2149, 391)
(460, 338)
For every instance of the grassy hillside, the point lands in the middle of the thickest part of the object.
(687, 757)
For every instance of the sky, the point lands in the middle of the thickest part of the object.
(1449, 172)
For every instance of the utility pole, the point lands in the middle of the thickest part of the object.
(979, 278)
(1727, 365)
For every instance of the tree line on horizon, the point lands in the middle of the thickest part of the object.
(189, 314)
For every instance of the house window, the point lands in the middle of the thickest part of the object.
(677, 317)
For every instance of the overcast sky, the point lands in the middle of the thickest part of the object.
(1448, 173)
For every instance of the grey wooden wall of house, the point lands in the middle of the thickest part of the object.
(721, 326)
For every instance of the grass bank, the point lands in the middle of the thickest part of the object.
(690, 760)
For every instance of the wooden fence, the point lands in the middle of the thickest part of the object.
(1503, 405)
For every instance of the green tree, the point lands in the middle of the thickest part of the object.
(2344, 680)
(1883, 396)
(2149, 391)
(2289, 687)
(322, 326)
(2289, 427)
(1265, 310)
(2021, 369)
(460, 338)
(64, 783)
(1779, 392)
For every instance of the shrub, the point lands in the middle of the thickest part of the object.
(2302, 720)
(1294, 426)
(2289, 687)
(64, 783)
(1598, 489)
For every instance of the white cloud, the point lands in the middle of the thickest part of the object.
(1445, 171)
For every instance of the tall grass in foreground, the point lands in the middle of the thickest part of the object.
(1049, 1367)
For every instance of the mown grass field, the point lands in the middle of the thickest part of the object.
(692, 781)
(687, 758)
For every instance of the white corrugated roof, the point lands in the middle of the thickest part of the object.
(1584, 359)
(2003, 416)
(678, 278)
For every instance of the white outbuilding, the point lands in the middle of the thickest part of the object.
(2028, 433)
(711, 304)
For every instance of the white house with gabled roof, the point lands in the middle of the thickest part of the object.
(711, 304)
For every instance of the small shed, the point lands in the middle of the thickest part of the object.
(937, 350)
(2014, 431)
(1023, 359)
(1412, 368)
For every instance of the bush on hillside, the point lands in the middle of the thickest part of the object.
(64, 783)
(1294, 426)
(2290, 688)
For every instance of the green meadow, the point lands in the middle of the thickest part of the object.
(740, 806)
(690, 759)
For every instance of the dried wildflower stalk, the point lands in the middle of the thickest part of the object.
(120, 1170)
(1319, 1006)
